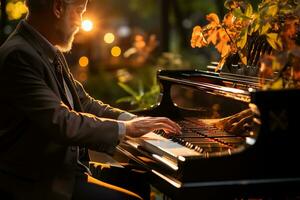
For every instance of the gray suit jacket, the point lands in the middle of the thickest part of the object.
(39, 131)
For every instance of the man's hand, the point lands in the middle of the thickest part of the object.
(142, 125)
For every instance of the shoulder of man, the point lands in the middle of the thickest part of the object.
(16, 47)
(15, 43)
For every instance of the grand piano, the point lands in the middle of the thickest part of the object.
(238, 141)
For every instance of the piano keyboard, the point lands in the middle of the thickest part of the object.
(197, 138)
(203, 137)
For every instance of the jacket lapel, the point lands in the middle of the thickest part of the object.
(70, 83)
(37, 46)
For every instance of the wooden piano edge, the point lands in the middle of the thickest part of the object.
(229, 189)
(171, 180)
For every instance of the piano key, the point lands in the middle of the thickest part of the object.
(162, 146)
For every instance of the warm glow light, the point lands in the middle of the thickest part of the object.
(16, 10)
(83, 61)
(139, 42)
(87, 25)
(116, 51)
(109, 38)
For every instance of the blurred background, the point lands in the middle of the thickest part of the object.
(122, 44)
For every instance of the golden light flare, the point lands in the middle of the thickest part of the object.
(116, 51)
(87, 25)
(16, 10)
(83, 61)
(109, 38)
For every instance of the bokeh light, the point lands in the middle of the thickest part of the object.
(87, 25)
(139, 41)
(83, 61)
(124, 31)
(109, 38)
(15, 10)
(116, 51)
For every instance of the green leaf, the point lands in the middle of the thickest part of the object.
(272, 10)
(243, 39)
(239, 14)
(125, 99)
(279, 43)
(274, 41)
(255, 24)
(249, 10)
(255, 27)
(141, 88)
(265, 28)
(128, 89)
(272, 36)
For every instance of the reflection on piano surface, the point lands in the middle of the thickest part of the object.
(235, 139)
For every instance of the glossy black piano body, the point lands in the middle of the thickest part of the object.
(258, 160)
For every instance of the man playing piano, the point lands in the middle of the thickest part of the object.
(47, 118)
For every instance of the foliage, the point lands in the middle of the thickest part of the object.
(140, 99)
(277, 21)
(148, 8)
(103, 85)
(172, 61)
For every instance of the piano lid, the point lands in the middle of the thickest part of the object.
(236, 87)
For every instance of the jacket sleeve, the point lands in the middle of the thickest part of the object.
(22, 85)
(93, 106)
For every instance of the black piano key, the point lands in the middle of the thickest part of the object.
(203, 138)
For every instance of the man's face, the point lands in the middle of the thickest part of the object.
(69, 24)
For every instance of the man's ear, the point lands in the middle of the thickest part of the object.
(57, 8)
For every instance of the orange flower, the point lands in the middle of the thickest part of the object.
(228, 20)
(198, 39)
(213, 19)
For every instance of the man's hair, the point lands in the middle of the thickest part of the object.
(42, 5)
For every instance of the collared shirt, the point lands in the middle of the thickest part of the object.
(50, 51)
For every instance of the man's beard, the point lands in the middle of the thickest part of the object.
(66, 35)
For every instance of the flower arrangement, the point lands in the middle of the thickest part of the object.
(275, 21)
